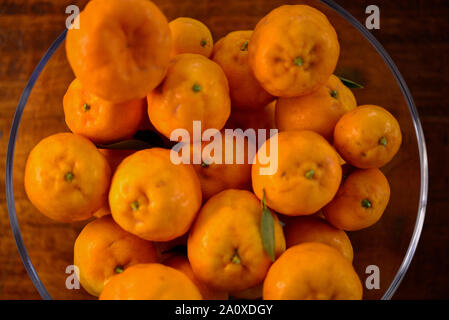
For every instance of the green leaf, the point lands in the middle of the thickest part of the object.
(181, 249)
(150, 137)
(350, 84)
(126, 145)
(267, 230)
(141, 140)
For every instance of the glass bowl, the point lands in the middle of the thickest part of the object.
(46, 247)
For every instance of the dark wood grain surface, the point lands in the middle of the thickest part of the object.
(416, 35)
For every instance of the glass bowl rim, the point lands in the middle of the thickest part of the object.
(345, 15)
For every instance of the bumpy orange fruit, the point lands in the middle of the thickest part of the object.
(103, 249)
(195, 89)
(367, 137)
(153, 198)
(225, 245)
(293, 50)
(312, 271)
(302, 173)
(66, 177)
(360, 201)
(151, 281)
(121, 49)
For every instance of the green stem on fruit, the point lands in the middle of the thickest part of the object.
(309, 174)
(204, 164)
(119, 269)
(236, 258)
(134, 205)
(196, 87)
(244, 46)
(366, 203)
(69, 176)
(298, 61)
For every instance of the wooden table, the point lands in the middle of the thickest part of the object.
(415, 33)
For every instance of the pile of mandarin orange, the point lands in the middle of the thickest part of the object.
(247, 235)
